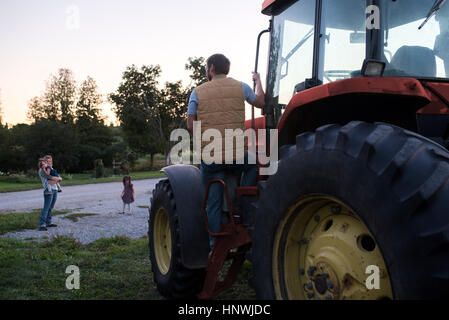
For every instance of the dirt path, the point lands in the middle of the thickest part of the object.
(84, 196)
(101, 200)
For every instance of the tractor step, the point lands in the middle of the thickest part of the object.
(233, 237)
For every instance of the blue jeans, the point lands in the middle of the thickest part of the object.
(214, 203)
(49, 204)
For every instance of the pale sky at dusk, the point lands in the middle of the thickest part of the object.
(39, 37)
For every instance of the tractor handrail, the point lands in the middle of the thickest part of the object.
(231, 216)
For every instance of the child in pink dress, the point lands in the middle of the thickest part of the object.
(128, 195)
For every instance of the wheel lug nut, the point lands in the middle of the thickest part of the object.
(329, 297)
(330, 284)
(309, 286)
(302, 271)
(310, 295)
(336, 209)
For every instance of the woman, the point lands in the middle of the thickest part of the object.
(49, 197)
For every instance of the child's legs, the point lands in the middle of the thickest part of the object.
(129, 207)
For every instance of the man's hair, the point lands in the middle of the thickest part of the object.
(48, 157)
(220, 62)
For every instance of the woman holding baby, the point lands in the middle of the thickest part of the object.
(50, 182)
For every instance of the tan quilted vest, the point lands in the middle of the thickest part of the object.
(221, 105)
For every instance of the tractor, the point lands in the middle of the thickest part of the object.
(359, 206)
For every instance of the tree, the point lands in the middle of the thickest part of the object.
(15, 156)
(88, 101)
(55, 138)
(147, 114)
(1, 111)
(134, 101)
(4, 148)
(170, 113)
(94, 136)
(57, 102)
(198, 71)
(60, 95)
(36, 110)
(4, 138)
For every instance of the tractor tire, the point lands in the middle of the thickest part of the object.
(173, 280)
(345, 199)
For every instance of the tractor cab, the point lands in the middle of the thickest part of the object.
(315, 42)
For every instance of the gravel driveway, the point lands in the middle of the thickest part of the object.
(103, 200)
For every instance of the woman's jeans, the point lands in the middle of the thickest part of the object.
(214, 203)
(49, 204)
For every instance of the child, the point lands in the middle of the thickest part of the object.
(49, 171)
(43, 165)
(128, 195)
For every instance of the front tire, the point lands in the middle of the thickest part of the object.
(346, 198)
(173, 280)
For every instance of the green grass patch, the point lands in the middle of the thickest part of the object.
(143, 207)
(115, 268)
(76, 216)
(8, 184)
(18, 221)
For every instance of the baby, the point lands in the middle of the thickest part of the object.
(49, 171)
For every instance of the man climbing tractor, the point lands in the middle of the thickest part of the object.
(220, 104)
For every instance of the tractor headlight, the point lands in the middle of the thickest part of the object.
(373, 68)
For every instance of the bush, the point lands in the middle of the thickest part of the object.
(16, 178)
(32, 173)
(99, 168)
(108, 172)
(68, 176)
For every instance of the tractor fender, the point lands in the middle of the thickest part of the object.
(188, 190)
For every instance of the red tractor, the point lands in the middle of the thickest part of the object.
(359, 93)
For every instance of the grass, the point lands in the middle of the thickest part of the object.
(143, 207)
(115, 268)
(32, 183)
(17, 221)
(76, 216)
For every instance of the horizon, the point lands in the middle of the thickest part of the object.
(101, 38)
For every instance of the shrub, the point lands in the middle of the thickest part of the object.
(99, 168)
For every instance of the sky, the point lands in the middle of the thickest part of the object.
(100, 38)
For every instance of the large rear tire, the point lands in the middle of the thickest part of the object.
(346, 198)
(173, 280)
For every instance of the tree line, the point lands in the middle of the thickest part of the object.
(66, 120)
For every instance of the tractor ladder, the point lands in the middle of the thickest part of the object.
(232, 242)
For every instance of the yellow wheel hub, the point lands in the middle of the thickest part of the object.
(162, 241)
(322, 250)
